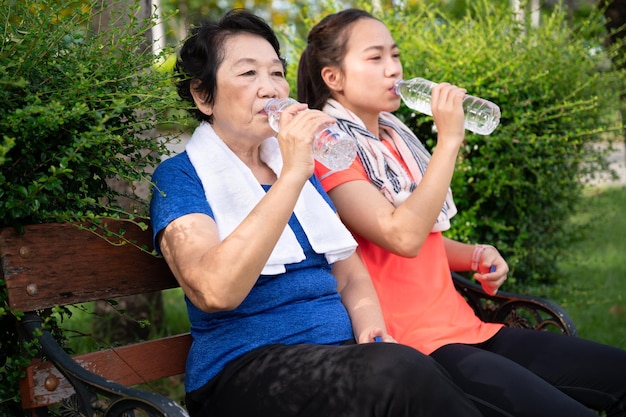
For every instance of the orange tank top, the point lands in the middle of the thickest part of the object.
(420, 304)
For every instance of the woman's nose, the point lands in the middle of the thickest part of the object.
(393, 68)
(268, 88)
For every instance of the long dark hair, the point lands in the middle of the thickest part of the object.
(326, 47)
(203, 52)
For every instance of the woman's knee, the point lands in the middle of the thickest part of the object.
(407, 365)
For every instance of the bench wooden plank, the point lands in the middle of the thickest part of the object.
(71, 265)
(128, 365)
(61, 264)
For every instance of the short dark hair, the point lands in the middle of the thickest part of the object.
(203, 52)
(326, 47)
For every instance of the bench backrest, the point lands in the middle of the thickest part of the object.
(61, 264)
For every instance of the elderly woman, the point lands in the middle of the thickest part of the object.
(282, 310)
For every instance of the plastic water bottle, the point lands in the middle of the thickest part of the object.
(331, 146)
(481, 116)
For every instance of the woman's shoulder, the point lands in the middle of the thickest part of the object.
(179, 162)
(176, 176)
(175, 167)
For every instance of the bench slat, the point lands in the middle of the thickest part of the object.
(128, 365)
(61, 264)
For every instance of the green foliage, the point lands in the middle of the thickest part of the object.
(79, 112)
(79, 108)
(5, 145)
(559, 96)
(11, 362)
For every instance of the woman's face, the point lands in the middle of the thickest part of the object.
(370, 69)
(249, 75)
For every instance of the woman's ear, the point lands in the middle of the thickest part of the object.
(333, 79)
(199, 97)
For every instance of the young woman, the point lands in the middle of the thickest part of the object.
(396, 201)
(282, 311)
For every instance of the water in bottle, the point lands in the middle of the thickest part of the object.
(481, 116)
(331, 146)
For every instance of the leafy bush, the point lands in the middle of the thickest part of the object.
(559, 96)
(79, 109)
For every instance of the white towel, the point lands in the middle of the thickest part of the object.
(233, 191)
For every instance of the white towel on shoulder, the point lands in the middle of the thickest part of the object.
(233, 191)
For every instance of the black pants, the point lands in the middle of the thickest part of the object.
(530, 373)
(373, 379)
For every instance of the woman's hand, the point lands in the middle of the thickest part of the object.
(447, 108)
(298, 126)
(375, 335)
(491, 270)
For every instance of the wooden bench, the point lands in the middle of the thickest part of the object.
(61, 264)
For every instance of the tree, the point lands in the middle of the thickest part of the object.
(615, 23)
(190, 11)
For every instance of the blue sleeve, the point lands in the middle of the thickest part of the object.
(177, 191)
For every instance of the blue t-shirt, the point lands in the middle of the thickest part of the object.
(299, 306)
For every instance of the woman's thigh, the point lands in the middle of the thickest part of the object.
(501, 387)
(374, 379)
(539, 373)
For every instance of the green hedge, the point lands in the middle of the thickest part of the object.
(559, 96)
(79, 114)
(77, 108)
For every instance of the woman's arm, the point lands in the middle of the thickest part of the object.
(217, 275)
(359, 298)
(403, 229)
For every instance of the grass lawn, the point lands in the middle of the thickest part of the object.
(81, 338)
(593, 291)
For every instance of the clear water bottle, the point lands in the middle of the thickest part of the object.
(481, 116)
(331, 146)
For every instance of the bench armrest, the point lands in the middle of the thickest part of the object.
(514, 310)
(95, 395)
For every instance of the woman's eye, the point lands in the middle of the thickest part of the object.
(251, 72)
(279, 74)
